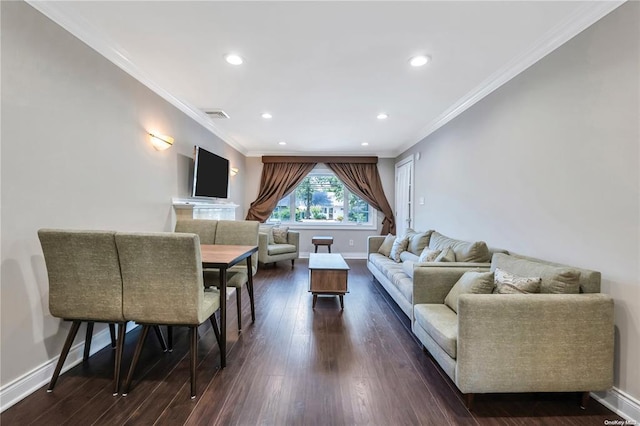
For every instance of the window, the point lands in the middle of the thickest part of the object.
(322, 199)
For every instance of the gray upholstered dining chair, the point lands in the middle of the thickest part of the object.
(85, 285)
(163, 285)
(230, 232)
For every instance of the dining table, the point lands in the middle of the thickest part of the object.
(223, 257)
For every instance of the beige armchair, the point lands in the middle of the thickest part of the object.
(271, 252)
(162, 284)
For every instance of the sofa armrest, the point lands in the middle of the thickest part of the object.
(293, 237)
(373, 243)
(263, 243)
(535, 343)
(433, 281)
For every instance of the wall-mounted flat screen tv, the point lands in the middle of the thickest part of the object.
(210, 175)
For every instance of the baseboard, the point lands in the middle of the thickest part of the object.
(24, 386)
(348, 255)
(620, 403)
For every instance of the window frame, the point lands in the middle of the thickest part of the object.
(321, 170)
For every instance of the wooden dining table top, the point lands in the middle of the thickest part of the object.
(221, 255)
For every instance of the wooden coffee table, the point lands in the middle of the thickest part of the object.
(327, 275)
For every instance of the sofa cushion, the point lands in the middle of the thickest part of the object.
(429, 255)
(404, 283)
(465, 251)
(555, 279)
(280, 249)
(399, 245)
(387, 245)
(418, 242)
(507, 283)
(407, 267)
(408, 256)
(280, 234)
(470, 282)
(441, 323)
(446, 255)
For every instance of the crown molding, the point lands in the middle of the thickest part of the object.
(98, 41)
(578, 21)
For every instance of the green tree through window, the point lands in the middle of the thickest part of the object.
(322, 198)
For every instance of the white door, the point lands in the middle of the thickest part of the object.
(404, 195)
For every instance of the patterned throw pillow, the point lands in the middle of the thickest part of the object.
(387, 245)
(470, 282)
(399, 245)
(507, 283)
(280, 234)
(428, 255)
(446, 255)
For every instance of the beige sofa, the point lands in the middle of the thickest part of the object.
(409, 282)
(521, 342)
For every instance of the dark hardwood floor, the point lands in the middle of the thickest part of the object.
(294, 366)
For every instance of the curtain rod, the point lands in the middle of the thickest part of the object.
(318, 159)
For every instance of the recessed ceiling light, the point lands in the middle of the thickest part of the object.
(233, 59)
(365, 144)
(266, 115)
(282, 143)
(382, 116)
(420, 60)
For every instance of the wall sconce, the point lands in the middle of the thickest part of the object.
(233, 171)
(161, 142)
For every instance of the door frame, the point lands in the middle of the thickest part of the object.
(408, 159)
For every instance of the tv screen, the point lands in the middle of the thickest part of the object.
(210, 175)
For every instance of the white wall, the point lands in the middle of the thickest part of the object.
(340, 237)
(548, 166)
(75, 154)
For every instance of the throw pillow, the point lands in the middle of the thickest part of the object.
(507, 283)
(470, 282)
(428, 255)
(446, 255)
(399, 245)
(418, 242)
(280, 234)
(387, 244)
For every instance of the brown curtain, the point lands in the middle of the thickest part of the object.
(278, 180)
(364, 181)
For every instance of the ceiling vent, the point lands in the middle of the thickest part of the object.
(217, 113)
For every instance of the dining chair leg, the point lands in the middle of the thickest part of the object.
(63, 355)
(87, 342)
(136, 356)
(253, 308)
(163, 344)
(170, 337)
(214, 325)
(239, 305)
(112, 333)
(194, 358)
(122, 332)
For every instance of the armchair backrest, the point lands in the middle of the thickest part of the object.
(161, 277)
(239, 232)
(84, 274)
(206, 229)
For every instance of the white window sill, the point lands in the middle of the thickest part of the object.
(328, 226)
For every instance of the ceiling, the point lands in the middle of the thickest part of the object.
(324, 70)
